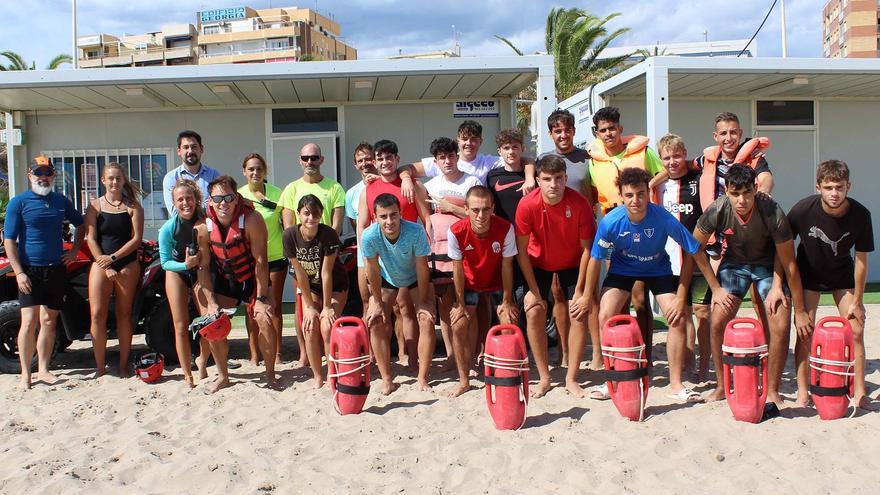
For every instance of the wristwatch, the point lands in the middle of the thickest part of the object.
(263, 299)
(112, 257)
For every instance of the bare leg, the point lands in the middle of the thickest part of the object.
(612, 302)
(719, 320)
(802, 353)
(220, 351)
(427, 344)
(300, 339)
(536, 317)
(690, 350)
(463, 347)
(577, 341)
(46, 343)
(126, 289)
(253, 333)
(644, 315)
(560, 316)
(276, 280)
(397, 325)
(445, 305)
(27, 343)
(780, 329)
(315, 344)
(701, 313)
(409, 326)
(100, 289)
(379, 341)
(596, 339)
(178, 298)
(675, 345)
(267, 344)
(844, 299)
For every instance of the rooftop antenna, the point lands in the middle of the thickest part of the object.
(705, 35)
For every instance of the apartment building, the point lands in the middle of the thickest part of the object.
(849, 28)
(246, 35)
(223, 36)
(173, 45)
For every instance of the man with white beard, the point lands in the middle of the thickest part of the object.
(34, 221)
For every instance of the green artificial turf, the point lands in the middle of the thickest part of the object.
(872, 296)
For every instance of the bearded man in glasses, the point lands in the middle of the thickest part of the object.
(330, 192)
(33, 243)
(236, 272)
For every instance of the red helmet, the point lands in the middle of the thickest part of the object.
(149, 367)
(212, 327)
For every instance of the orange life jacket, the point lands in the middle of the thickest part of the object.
(440, 223)
(708, 182)
(604, 169)
(232, 253)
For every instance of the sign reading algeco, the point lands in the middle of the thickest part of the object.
(230, 14)
(480, 108)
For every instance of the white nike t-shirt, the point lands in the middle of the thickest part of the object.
(479, 167)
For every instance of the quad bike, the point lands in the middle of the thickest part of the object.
(151, 314)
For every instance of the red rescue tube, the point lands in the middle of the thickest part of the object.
(744, 358)
(348, 366)
(832, 367)
(626, 365)
(506, 368)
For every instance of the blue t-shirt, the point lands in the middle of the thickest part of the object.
(639, 250)
(204, 177)
(397, 260)
(35, 222)
(353, 200)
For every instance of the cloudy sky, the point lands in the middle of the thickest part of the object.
(40, 29)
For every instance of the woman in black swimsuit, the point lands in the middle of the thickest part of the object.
(115, 227)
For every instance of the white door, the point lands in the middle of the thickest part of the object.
(792, 159)
(285, 167)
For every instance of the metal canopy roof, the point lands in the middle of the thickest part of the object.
(750, 77)
(270, 83)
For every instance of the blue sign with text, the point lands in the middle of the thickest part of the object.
(230, 14)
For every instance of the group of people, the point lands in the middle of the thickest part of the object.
(485, 238)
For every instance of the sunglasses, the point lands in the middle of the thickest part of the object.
(43, 172)
(310, 158)
(228, 198)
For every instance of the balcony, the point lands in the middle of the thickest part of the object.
(179, 52)
(280, 32)
(243, 56)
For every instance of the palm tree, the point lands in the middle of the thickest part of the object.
(17, 62)
(576, 40)
(653, 52)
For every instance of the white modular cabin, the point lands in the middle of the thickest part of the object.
(811, 109)
(83, 119)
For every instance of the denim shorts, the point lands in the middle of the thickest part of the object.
(736, 279)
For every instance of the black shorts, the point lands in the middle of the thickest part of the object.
(242, 292)
(657, 285)
(472, 298)
(567, 280)
(278, 265)
(816, 285)
(47, 286)
(388, 285)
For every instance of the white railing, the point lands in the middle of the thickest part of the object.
(248, 52)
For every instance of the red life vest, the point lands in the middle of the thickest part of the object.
(232, 253)
(408, 210)
(708, 183)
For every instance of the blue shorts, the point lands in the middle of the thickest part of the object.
(736, 279)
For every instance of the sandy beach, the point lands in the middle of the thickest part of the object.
(123, 436)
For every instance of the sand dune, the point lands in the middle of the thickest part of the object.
(123, 436)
